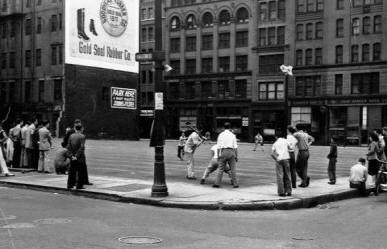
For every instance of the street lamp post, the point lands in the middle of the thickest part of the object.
(159, 188)
(288, 71)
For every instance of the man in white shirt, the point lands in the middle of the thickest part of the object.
(228, 153)
(358, 177)
(193, 141)
(281, 156)
(292, 148)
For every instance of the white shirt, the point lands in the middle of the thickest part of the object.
(227, 139)
(193, 140)
(280, 148)
(358, 173)
(292, 142)
(214, 148)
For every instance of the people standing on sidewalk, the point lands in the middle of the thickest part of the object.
(3, 164)
(292, 150)
(280, 153)
(213, 165)
(304, 140)
(9, 150)
(194, 140)
(76, 151)
(30, 147)
(332, 156)
(15, 136)
(180, 146)
(45, 143)
(61, 162)
(358, 177)
(372, 156)
(258, 139)
(23, 154)
(228, 153)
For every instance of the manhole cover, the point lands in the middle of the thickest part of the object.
(139, 240)
(52, 221)
(8, 217)
(18, 226)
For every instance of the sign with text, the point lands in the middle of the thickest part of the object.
(186, 123)
(102, 33)
(123, 98)
(159, 101)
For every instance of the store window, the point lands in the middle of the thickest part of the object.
(301, 115)
(337, 117)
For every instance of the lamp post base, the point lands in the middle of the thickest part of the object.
(159, 188)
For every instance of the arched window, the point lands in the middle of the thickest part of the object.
(175, 23)
(207, 20)
(224, 17)
(191, 22)
(242, 15)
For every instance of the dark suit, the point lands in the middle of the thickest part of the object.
(76, 148)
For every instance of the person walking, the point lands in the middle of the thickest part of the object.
(258, 139)
(228, 153)
(332, 156)
(23, 154)
(304, 141)
(45, 143)
(180, 146)
(194, 140)
(292, 150)
(3, 164)
(281, 156)
(76, 151)
(15, 136)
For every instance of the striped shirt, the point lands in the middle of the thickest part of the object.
(304, 139)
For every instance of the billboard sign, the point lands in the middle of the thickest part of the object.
(186, 123)
(123, 98)
(102, 33)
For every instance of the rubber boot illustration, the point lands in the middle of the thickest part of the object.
(81, 24)
(92, 27)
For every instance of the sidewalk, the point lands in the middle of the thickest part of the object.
(188, 194)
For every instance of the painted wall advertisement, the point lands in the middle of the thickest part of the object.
(123, 98)
(102, 33)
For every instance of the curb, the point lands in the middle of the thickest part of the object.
(289, 204)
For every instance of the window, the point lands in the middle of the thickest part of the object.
(241, 63)
(57, 89)
(224, 64)
(60, 21)
(39, 25)
(339, 54)
(340, 28)
(13, 29)
(318, 56)
(27, 91)
(281, 35)
(262, 37)
(190, 66)
(355, 53)
(377, 24)
(224, 17)
(190, 43)
(41, 91)
(208, 20)
(272, 10)
(175, 45)
(301, 115)
(309, 31)
(339, 4)
(207, 65)
(281, 10)
(28, 58)
(4, 30)
(191, 22)
(310, 5)
(12, 60)
(355, 26)
(240, 88)
(242, 15)
(376, 52)
(300, 32)
(271, 36)
(308, 86)
(60, 56)
(338, 84)
(270, 64)
(299, 57)
(300, 6)
(365, 83)
(150, 13)
(175, 23)
(320, 5)
(28, 3)
(3, 60)
(366, 25)
(319, 30)
(54, 23)
(223, 89)
(207, 42)
(308, 57)
(206, 89)
(150, 77)
(4, 7)
(28, 27)
(143, 76)
(143, 14)
(151, 36)
(356, 3)
(175, 64)
(263, 11)
(143, 35)
(174, 90)
(365, 53)
(189, 90)
(38, 57)
(53, 55)
(224, 40)
(271, 91)
(242, 39)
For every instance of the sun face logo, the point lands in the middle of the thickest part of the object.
(114, 17)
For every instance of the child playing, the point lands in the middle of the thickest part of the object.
(332, 156)
(213, 165)
(258, 140)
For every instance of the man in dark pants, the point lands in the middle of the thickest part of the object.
(83, 168)
(304, 140)
(76, 151)
(292, 161)
(31, 146)
(15, 136)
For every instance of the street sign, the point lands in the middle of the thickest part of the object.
(141, 57)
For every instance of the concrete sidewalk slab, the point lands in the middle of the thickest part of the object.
(190, 195)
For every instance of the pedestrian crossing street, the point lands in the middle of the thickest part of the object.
(135, 159)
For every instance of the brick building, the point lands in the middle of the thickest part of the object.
(35, 81)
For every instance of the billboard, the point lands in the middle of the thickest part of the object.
(123, 98)
(102, 33)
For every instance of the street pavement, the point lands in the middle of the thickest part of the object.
(38, 220)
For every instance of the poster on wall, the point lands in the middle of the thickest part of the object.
(123, 98)
(102, 33)
(186, 123)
